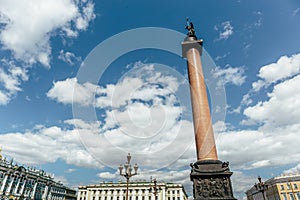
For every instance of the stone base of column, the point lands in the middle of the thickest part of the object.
(211, 180)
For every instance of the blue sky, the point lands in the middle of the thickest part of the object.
(59, 112)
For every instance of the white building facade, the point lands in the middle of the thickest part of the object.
(26, 183)
(136, 191)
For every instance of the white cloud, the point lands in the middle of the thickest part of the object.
(258, 85)
(26, 31)
(233, 75)
(276, 119)
(126, 127)
(70, 170)
(281, 77)
(246, 101)
(108, 175)
(293, 170)
(33, 146)
(219, 127)
(144, 84)
(11, 78)
(251, 149)
(80, 124)
(61, 179)
(37, 21)
(142, 108)
(4, 98)
(63, 91)
(225, 30)
(281, 108)
(246, 48)
(258, 23)
(87, 15)
(47, 145)
(261, 163)
(68, 57)
(241, 183)
(284, 68)
(223, 56)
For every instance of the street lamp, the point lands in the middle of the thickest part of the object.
(128, 172)
(155, 189)
(261, 186)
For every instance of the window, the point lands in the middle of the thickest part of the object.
(288, 186)
(298, 195)
(281, 187)
(291, 196)
(295, 186)
(284, 196)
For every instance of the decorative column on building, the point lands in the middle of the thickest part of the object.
(10, 184)
(17, 186)
(210, 176)
(34, 189)
(23, 186)
(45, 194)
(4, 183)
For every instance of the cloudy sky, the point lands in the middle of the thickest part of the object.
(83, 82)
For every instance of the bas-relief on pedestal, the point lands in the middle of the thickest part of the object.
(211, 180)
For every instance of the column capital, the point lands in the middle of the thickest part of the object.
(189, 43)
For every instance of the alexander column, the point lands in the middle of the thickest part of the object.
(210, 176)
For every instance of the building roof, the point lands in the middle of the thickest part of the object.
(277, 179)
(134, 184)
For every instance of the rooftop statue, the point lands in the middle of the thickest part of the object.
(190, 27)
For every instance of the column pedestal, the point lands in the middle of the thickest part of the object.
(211, 180)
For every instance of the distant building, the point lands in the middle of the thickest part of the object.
(136, 191)
(285, 187)
(19, 182)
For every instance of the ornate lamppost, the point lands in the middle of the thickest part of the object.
(155, 189)
(261, 187)
(128, 172)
